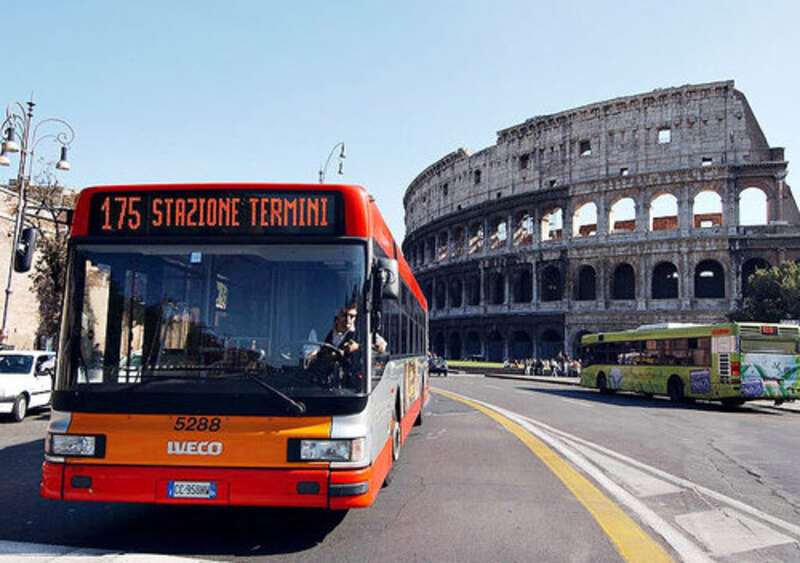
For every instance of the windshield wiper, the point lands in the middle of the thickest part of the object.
(298, 406)
(133, 385)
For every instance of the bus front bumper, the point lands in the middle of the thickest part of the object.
(320, 488)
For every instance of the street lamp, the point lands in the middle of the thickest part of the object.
(324, 169)
(20, 136)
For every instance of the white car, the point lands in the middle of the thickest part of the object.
(26, 381)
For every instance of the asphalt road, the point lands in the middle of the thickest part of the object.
(702, 481)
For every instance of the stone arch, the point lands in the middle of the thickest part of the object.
(622, 216)
(427, 291)
(472, 345)
(438, 344)
(552, 287)
(748, 269)
(709, 280)
(550, 344)
(586, 286)
(442, 246)
(664, 212)
(475, 237)
(623, 282)
(454, 346)
(521, 345)
(707, 209)
(430, 250)
(498, 232)
(552, 224)
(459, 242)
(664, 284)
(753, 207)
(575, 350)
(495, 347)
(455, 291)
(523, 228)
(522, 285)
(584, 221)
(439, 294)
(473, 287)
(495, 288)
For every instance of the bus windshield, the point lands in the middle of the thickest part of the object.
(215, 319)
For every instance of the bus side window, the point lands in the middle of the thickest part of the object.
(588, 354)
(651, 353)
(700, 351)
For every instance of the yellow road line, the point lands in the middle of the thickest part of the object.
(628, 537)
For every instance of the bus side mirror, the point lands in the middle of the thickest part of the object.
(23, 257)
(388, 274)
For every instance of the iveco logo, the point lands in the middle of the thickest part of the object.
(194, 448)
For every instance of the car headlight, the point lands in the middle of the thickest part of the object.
(75, 445)
(351, 449)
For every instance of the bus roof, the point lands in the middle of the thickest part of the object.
(363, 219)
(677, 330)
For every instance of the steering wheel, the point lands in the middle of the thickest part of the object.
(288, 351)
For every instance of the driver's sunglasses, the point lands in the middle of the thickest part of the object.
(348, 315)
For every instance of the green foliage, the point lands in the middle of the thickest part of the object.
(48, 282)
(774, 295)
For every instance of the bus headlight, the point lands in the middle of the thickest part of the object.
(332, 450)
(75, 445)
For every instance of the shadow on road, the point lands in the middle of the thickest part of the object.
(232, 531)
(636, 400)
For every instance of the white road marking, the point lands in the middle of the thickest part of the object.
(492, 386)
(616, 473)
(681, 482)
(37, 552)
(687, 549)
(726, 531)
(578, 403)
(641, 484)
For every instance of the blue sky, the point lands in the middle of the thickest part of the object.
(162, 91)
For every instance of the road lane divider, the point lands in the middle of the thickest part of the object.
(674, 479)
(632, 542)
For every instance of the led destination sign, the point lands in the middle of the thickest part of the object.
(216, 212)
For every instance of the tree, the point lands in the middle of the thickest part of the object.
(774, 295)
(47, 210)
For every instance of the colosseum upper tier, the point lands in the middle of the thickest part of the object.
(637, 210)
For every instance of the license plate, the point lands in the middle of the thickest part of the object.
(192, 489)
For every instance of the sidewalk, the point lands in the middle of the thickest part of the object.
(767, 404)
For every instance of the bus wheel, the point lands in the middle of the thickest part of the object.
(396, 443)
(20, 408)
(397, 437)
(675, 389)
(601, 383)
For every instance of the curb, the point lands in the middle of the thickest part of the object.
(576, 381)
(540, 378)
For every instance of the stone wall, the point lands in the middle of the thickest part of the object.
(608, 216)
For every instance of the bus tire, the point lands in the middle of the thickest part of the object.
(397, 438)
(675, 389)
(602, 386)
(20, 408)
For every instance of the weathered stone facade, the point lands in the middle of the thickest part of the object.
(605, 217)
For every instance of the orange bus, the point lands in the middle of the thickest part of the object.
(242, 344)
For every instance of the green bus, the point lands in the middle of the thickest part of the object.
(731, 363)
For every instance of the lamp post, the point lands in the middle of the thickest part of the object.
(20, 135)
(324, 169)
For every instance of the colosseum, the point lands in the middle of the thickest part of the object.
(642, 209)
